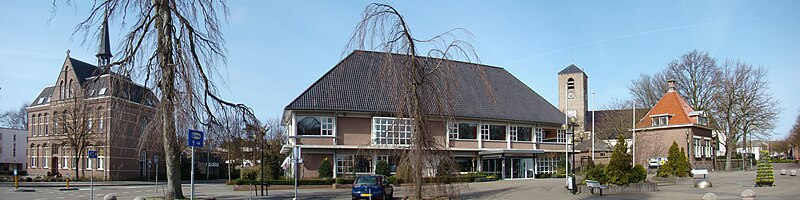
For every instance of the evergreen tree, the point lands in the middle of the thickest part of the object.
(382, 168)
(618, 169)
(325, 170)
(668, 168)
(683, 168)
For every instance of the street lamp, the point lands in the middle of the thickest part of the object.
(570, 129)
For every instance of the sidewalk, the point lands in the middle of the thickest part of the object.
(101, 183)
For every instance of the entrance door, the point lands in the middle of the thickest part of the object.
(54, 167)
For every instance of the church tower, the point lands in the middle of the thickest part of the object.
(104, 49)
(573, 96)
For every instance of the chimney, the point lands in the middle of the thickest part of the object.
(671, 85)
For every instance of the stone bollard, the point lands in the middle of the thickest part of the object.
(793, 173)
(112, 196)
(702, 183)
(709, 196)
(783, 171)
(139, 198)
(748, 195)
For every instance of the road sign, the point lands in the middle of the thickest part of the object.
(195, 138)
(92, 154)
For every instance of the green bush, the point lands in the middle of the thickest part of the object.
(250, 173)
(638, 174)
(618, 170)
(595, 172)
(325, 169)
(677, 163)
(383, 168)
(344, 181)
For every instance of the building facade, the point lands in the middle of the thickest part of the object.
(96, 108)
(673, 120)
(347, 117)
(13, 154)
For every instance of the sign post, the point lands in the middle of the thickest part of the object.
(92, 154)
(195, 140)
(155, 158)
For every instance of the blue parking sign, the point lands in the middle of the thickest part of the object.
(92, 154)
(195, 138)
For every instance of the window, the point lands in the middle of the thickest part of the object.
(100, 159)
(497, 132)
(547, 165)
(71, 90)
(661, 120)
(698, 148)
(87, 163)
(468, 131)
(465, 164)
(14, 152)
(539, 134)
(45, 158)
(46, 124)
(484, 132)
(344, 163)
(521, 133)
(89, 121)
(708, 151)
(512, 133)
(315, 126)
(65, 158)
(561, 137)
(102, 91)
(702, 120)
(100, 120)
(387, 130)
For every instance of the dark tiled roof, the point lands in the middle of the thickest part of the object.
(626, 114)
(571, 69)
(92, 80)
(586, 146)
(357, 84)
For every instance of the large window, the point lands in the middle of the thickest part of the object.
(349, 164)
(707, 147)
(497, 132)
(315, 126)
(387, 130)
(547, 165)
(463, 131)
(551, 135)
(539, 134)
(698, 148)
(520, 133)
(561, 136)
(465, 164)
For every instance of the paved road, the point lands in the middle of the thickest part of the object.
(727, 185)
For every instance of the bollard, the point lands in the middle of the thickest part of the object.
(748, 195)
(783, 171)
(139, 198)
(793, 173)
(111, 196)
(709, 196)
(702, 183)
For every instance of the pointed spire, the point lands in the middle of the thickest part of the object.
(104, 50)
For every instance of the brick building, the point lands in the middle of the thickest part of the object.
(347, 117)
(109, 110)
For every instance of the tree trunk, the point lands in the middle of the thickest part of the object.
(167, 86)
(728, 155)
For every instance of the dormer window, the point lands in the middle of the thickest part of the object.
(702, 120)
(102, 91)
(660, 120)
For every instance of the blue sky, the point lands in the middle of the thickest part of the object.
(276, 49)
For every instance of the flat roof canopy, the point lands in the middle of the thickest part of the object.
(511, 151)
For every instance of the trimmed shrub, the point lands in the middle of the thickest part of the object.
(638, 174)
(618, 170)
(250, 173)
(344, 181)
(325, 169)
(383, 168)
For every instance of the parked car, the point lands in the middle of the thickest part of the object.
(372, 187)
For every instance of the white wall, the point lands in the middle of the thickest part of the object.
(7, 146)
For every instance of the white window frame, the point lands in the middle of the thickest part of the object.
(539, 134)
(342, 161)
(561, 136)
(384, 131)
(698, 148)
(452, 130)
(512, 133)
(708, 148)
(326, 125)
(484, 131)
(88, 162)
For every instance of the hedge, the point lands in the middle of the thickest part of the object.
(284, 182)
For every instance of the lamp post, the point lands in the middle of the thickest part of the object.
(570, 129)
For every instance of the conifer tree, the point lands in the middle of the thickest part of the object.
(618, 169)
(325, 170)
(673, 156)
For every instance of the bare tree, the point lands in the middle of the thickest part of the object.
(648, 89)
(743, 105)
(794, 134)
(695, 72)
(177, 46)
(74, 125)
(420, 87)
(16, 119)
(617, 118)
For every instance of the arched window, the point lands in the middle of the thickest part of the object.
(570, 83)
(71, 94)
(32, 154)
(61, 89)
(100, 120)
(46, 124)
(55, 123)
(46, 157)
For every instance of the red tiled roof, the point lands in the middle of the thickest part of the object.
(671, 104)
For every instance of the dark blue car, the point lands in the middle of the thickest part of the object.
(372, 187)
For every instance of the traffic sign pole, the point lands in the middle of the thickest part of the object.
(192, 172)
(91, 154)
(195, 139)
